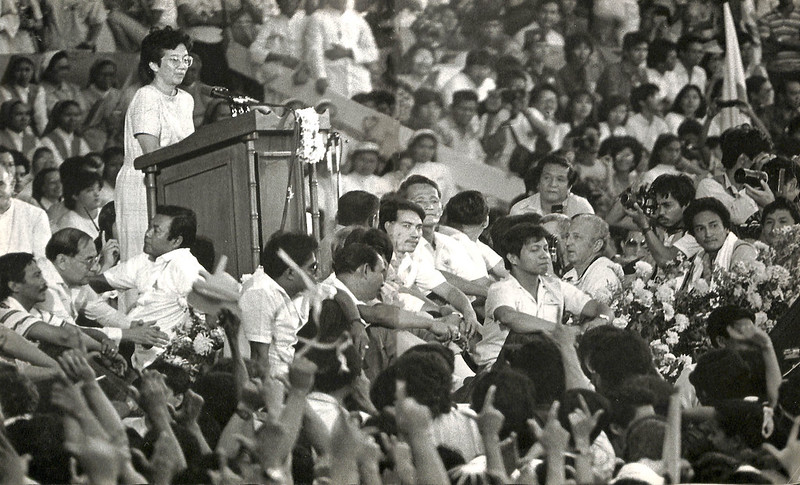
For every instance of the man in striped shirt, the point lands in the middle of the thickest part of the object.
(780, 34)
(21, 287)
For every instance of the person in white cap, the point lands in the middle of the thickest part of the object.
(363, 163)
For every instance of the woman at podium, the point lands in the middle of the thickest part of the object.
(159, 114)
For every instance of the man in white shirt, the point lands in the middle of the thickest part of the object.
(741, 148)
(339, 46)
(688, 70)
(591, 272)
(163, 275)
(402, 221)
(71, 260)
(550, 182)
(461, 129)
(279, 41)
(23, 227)
(646, 124)
(467, 215)
(448, 256)
(662, 57)
(476, 76)
(530, 300)
(270, 318)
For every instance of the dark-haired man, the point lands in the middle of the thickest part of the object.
(270, 318)
(163, 276)
(530, 300)
(709, 222)
(550, 183)
(776, 215)
(476, 76)
(742, 147)
(461, 128)
(620, 78)
(21, 288)
(71, 260)
(355, 208)
(664, 231)
(402, 221)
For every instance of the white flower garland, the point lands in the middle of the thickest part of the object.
(312, 142)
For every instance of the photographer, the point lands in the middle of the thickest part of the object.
(742, 147)
(663, 228)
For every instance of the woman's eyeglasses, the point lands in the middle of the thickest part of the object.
(177, 61)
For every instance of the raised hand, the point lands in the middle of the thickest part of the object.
(301, 375)
(490, 420)
(152, 392)
(789, 456)
(411, 416)
(190, 408)
(583, 422)
(75, 366)
(553, 437)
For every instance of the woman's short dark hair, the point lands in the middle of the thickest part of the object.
(37, 187)
(154, 45)
(56, 113)
(13, 64)
(49, 70)
(614, 144)
(676, 104)
(6, 111)
(662, 141)
(640, 93)
(608, 104)
(96, 69)
(574, 40)
(705, 204)
(77, 183)
(533, 174)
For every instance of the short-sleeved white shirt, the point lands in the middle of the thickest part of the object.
(163, 286)
(553, 297)
(24, 228)
(739, 204)
(573, 205)
(269, 316)
(464, 257)
(418, 268)
(601, 280)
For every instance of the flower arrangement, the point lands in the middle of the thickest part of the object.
(312, 142)
(785, 249)
(674, 320)
(195, 345)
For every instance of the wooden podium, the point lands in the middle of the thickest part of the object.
(240, 177)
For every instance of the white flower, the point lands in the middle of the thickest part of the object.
(638, 286)
(658, 347)
(671, 337)
(754, 299)
(203, 345)
(669, 358)
(701, 286)
(681, 322)
(669, 311)
(620, 322)
(761, 319)
(643, 269)
(665, 294)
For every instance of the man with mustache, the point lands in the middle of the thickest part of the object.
(664, 231)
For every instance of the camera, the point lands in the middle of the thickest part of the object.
(643, 197)
(752, 178)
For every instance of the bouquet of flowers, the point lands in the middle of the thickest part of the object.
(195, 345)
(785, 249)
(674, 320)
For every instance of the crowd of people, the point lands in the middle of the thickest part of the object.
(429, 336)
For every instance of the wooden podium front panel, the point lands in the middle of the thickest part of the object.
(215, 186)
(274, 165)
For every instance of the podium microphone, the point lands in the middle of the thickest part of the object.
(224, 93)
